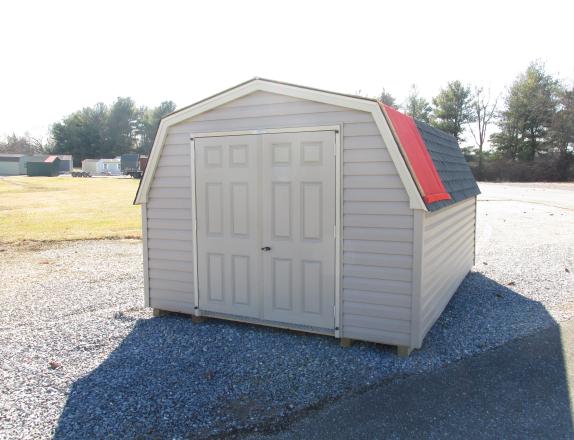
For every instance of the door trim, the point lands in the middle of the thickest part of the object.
(338, 194)
(335, 128)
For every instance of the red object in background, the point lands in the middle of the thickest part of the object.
(142, 163)
(51, 159)
(420, 161)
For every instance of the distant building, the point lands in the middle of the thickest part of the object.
(12, 164)
(49, 167)
(102, 167)
(66, 163)
(91, 166)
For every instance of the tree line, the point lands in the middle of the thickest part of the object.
(532, 127)
(108, 131)
(532, 124)
(101, 131)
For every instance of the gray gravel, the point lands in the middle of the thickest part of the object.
(81, 359)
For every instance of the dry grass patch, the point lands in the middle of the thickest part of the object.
(66, 208)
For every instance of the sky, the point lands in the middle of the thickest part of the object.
(60, 56)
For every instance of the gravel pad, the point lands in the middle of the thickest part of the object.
(80, 358)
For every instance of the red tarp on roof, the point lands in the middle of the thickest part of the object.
(420, 161)
(51, 159)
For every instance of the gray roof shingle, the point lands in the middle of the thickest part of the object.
(450, 165)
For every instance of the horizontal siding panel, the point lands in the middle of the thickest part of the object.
(439, 287)
(386, 182)
(448, 236)
(171, 193)
(383, 286)
(176, 245)
(377, 311)
(383, 247)
(259, 97)
(172, 182)
(179, 265)
(179, 225)
(431, 314)
(381, 260)
(386, 208)
(448, 256)
(155, 203)
(370, 169)
(457, 261)
(171, 255)
(171, 306)
(367, 155)
(267, 109)
(173, 160)
(171, 275)
(447, 268)
(446, 287)
(352, 142)
(366, 127)
(379, 221)
(360, 333)
(384, 234)
(166, 213)
(173, 295)
(177, 143)
(377, 272)
(359, 121)
(178, 286)
(439, 228)
(169, 234)
(450, 212)
(461, 236)
(375, 195)
(172, 171)
(388, 299)
(376, 323)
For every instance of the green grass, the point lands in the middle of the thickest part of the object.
(67, 208)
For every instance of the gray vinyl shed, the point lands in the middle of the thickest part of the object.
(12, 164)
(294, 207)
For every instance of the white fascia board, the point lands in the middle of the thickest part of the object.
(372, 107)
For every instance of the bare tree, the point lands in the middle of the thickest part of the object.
(21, 144)
(484, 112)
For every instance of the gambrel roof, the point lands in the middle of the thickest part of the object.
(429, 162)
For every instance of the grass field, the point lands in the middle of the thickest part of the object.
(66, 208)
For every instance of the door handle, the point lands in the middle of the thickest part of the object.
(266, 248)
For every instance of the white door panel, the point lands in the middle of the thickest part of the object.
(227, 224)
(298, 203)
(273, 191)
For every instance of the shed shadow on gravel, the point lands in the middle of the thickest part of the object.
(172, 378)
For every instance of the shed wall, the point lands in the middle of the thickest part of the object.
(447, 257)
(377, 221)
(90, 167)
(10, 168)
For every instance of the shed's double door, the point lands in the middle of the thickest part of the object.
(265, 226)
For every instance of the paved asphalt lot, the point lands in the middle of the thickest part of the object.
(520, 390)
(81, 358)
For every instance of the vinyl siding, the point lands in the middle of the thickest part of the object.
(10, 168)
(377, 223)
(447, 256)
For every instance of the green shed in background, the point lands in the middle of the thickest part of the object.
(50, 167)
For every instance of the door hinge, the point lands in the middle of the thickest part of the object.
(335, 231)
